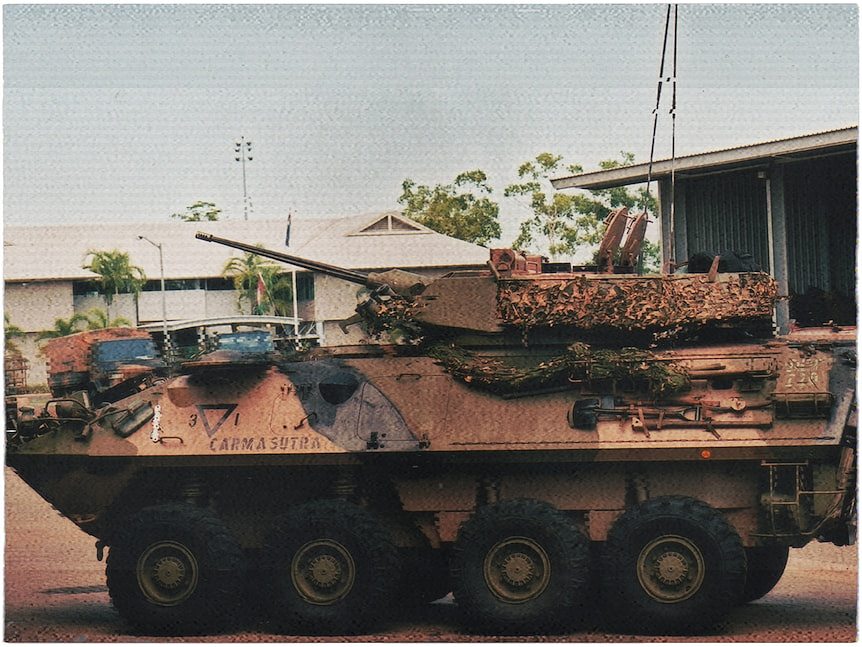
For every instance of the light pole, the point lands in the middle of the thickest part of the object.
(164, 305)
(242, 150)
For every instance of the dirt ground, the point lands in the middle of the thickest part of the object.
(55, 592)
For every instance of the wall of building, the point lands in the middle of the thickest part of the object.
(122, 306)
(821, 224)
(814, 206)
(38, 370)
(727, 211)
(34, 306)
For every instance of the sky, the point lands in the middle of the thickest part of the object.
(130, 112)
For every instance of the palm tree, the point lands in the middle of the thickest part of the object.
(245, 272)
(279, 294)
(63, 327)
(97, 319)
(116, 273)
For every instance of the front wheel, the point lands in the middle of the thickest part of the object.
(766, 565)
(672, 565)
(174, 569)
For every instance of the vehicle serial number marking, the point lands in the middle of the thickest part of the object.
(802, 373)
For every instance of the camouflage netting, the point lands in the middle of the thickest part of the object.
(635, 302)
(578, 364)
(393, 316)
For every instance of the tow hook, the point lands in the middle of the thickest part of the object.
(100, 550)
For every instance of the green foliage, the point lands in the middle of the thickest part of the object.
(563, 223)
(579, 363)
(279, 294)
(63, 327)
(200, 211)
(278, 288)
(116, 273)
(97, 319)
(11, 332)
(651, 254)
(455, 209)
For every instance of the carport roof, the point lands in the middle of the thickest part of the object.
(832, 141)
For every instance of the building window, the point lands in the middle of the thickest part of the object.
(85, 288)
(172, 284)
(305, 286)
(182, 284)
(219, 283)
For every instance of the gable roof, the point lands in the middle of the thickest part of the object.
(57, 252)
(391, 223)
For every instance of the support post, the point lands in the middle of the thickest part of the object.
(777, 227)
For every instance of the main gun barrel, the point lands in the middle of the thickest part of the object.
(332, 270)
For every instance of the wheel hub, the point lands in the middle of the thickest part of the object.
(671, 568)
(324, 571)
(517, 569)
(169, 572)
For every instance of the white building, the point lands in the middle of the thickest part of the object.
(45, 279)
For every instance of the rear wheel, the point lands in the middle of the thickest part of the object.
(671, 565)
(174, 569)
(519, 566)
(766, 565)
(333, 568)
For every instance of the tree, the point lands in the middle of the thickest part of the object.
(63, 327)
(569, 222)
(97, 319)
(564, 219)
(116, 274)
(200, 211)
(454, 209)
(246, 271)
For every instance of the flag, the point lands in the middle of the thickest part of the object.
(261, 292)
(287, 233)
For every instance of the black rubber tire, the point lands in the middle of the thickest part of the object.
(425, 576)
(484, 537)
(667, 519)
(358, 534)
(219, 559)
(766, 565)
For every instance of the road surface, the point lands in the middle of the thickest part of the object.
(55, 592)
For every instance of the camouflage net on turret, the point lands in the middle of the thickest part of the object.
(635, 302)
(392, 316)
(577, 365)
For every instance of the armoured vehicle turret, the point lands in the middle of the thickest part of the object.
(513, 449)
(524, 300)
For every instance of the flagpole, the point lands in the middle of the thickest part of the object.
(292, 279)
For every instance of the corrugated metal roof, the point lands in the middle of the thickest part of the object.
(726, 157)
(57, 252)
